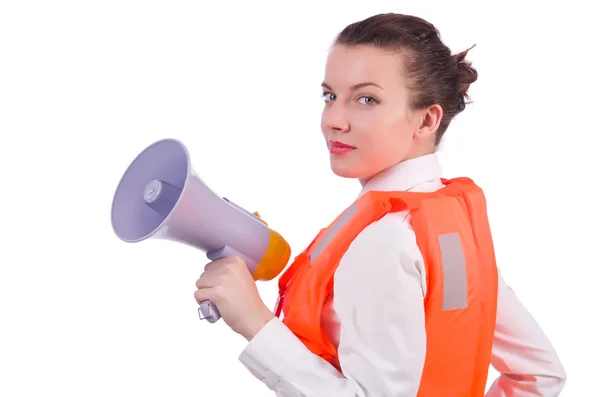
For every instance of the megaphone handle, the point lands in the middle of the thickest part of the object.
(207, 310)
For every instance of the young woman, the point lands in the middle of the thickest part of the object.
(400, 296)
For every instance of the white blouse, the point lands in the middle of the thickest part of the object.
(376, 319)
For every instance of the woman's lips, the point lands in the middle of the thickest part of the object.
(336, 147)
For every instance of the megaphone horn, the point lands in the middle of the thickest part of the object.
(160, 196)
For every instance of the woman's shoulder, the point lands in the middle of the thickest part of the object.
(386, 248)
(390, 235)
(388, 229)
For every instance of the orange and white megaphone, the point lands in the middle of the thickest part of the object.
(160, 196)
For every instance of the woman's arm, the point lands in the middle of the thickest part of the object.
(378, 298)
(525, 358)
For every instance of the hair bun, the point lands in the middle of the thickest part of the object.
(467, 74)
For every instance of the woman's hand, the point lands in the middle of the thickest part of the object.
(229, 285)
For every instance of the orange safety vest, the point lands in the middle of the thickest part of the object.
(453, 235)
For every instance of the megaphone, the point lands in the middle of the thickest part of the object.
(161, 196)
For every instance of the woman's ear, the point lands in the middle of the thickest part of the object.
(430, 122)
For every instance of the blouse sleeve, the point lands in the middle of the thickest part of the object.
(528, 363)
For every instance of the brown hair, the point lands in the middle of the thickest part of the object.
(436, 76)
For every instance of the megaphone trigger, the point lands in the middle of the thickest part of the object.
(209, 312)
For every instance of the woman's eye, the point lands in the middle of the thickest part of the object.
(367, 100)
(328, 96)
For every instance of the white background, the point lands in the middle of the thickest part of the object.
(86, 85)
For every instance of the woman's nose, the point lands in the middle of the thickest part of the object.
(335, 119)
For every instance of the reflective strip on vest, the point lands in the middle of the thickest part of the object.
(335, 228)
(454, 272)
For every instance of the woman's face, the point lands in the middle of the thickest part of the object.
(366, 121)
